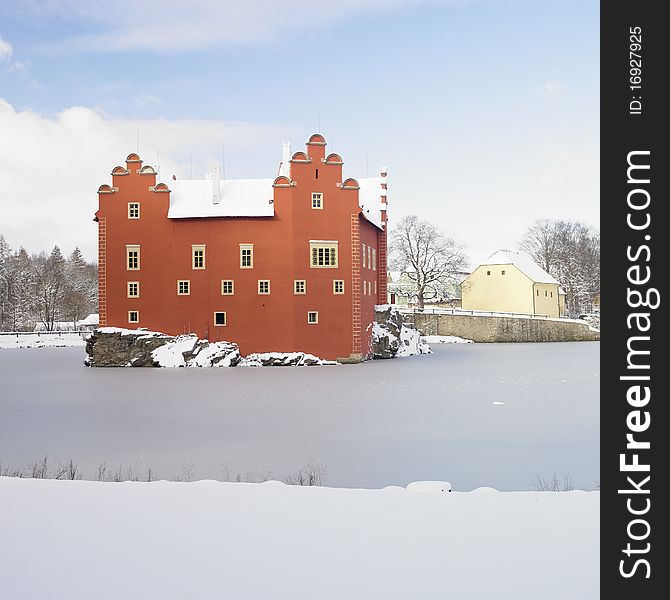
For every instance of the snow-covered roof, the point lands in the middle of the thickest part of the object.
(524, 263)
(92, 319)
(237, 198)
(192, 198)
(370, 201)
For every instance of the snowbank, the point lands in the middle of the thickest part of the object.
(248, 541)
(445, 339)
(43, 340)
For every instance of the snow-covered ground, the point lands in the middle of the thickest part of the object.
(41, 340)
(445, 339)
(81, 540)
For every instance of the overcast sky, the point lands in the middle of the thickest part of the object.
(485, 112)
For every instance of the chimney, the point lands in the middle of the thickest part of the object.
(216, 185)
(285, 166)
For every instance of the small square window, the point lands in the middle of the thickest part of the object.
(183, 287)
(317, 200)
(227, 287)
(133, 289)
(198, 253)
(312, 317)
(299, 286)
(502, 272)
(220, 319)
(263, 286)
(133, 316)
(133, 210)
(488, 272)
(338, 286)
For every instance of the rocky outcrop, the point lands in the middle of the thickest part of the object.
(392, 338)
(115, 347)
(283, 359)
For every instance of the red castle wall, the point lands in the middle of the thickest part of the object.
(258, 323)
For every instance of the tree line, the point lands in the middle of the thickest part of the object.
(45, 288)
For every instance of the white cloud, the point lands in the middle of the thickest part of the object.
(5, 49)
(155, 25)
(552, 88)
(51, 167)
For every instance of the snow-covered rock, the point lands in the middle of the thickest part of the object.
(392, 338)
(283, 359)
(116, 347)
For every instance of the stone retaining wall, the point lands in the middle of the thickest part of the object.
(502, 329)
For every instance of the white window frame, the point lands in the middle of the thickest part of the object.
(313, 312)
(197, 248)
(132, 248)
(225, 318)
(262, 281)
(132, 206)
(232, 287)
(188, 287)
(295, 287)
(318, 196)
(128, 284)
(335, 282)
(249, 247)
(137, 313)
(323, 244)
(374, 259)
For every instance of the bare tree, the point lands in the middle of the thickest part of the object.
(570, 251)
(425, 256)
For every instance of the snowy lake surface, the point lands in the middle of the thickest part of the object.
(476, 415)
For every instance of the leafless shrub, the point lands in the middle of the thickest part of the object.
(102, 472)
(554, 484)
(39, 469)
(187, 473)
(313, 473)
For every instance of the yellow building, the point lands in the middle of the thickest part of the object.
(511, 282)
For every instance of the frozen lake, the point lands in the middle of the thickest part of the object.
(474, 414)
